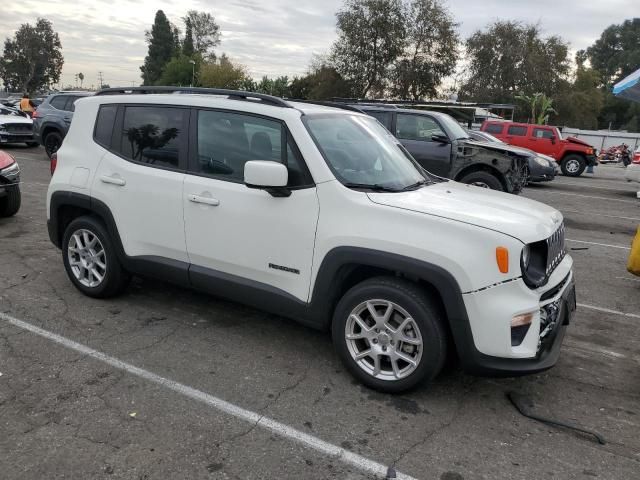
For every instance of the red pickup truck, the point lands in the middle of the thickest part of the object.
(573, 154)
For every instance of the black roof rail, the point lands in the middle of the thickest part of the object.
(231, 94)
(341, 106)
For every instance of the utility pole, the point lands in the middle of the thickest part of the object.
(100, 79)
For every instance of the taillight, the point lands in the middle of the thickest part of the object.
(6, 160)
(35, 114)
(54, 162)
(636, 158)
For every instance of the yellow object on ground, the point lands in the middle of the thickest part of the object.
(634, 257)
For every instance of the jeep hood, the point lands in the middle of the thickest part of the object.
(526, 220)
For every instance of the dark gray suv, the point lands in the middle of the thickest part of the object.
(52, 118)
(441, 146)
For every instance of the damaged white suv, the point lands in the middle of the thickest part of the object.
(313, 213)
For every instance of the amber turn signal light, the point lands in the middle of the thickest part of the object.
(502, 259)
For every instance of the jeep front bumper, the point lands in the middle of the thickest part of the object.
(490, 349)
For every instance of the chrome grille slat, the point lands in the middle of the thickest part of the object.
(555, 249)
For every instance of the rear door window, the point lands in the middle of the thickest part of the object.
(153, 135)
(517, 130)
(494, 128)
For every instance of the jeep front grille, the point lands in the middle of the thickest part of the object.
(555, 250)
(25, 128)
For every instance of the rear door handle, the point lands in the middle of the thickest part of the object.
(214, 202)
(120, 182)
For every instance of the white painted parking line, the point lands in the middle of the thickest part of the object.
(629, 278)
(608, 310)
(585, 186)
(635, 219)
(621, 247)
(546, 192)
(256, 419)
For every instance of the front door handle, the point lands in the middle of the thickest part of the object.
(120, 182)
(214, 202)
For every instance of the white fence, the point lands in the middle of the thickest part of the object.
(602, 139)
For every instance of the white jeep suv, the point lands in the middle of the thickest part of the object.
(313, 213)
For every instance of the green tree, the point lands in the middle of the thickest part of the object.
(223, 73)
(278, 86)
(81, 78)
(510, 58)
(180, 71)
(323, 82)
(616, 53)
(162, 46)
(371, 35)
(187, 44)
(32, 60)
(579, 103)
(205, 32)
(430, 53)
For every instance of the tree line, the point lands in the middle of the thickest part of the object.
(395, 49)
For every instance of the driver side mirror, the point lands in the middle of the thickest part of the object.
(440, 138)
(266, 175)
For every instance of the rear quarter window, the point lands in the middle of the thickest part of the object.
(494, 128)
(58, 102)
(104, 125)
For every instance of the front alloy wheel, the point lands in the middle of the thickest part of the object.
(390, 334)
(383, 340)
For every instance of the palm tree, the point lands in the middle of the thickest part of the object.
(81, 78)
(541, 107)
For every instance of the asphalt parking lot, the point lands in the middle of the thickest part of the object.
(151, 405)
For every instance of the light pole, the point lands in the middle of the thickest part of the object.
(193, 72)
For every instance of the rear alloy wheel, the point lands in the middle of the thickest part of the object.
(573, 165)
(483, 180)
(389, 334)
(52, 142)
(10, 203)
(90, 260)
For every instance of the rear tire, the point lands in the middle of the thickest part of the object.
(573, 165)
(52, 142)
(10, 203)
(484, 180)
(90, 259)
(402, 346)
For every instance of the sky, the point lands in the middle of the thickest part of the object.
(270, 37)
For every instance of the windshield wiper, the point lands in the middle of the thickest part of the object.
(375, 187)
(415, 186)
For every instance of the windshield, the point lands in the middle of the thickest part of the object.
(454, 128)
(362, 153)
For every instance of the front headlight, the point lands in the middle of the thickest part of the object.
(543, 162)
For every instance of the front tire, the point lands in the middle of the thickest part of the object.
(484, 180)
(389, 334)
(573, 165)
(10, 203)
(90, 260)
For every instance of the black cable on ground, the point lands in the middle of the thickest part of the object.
(518, 401)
